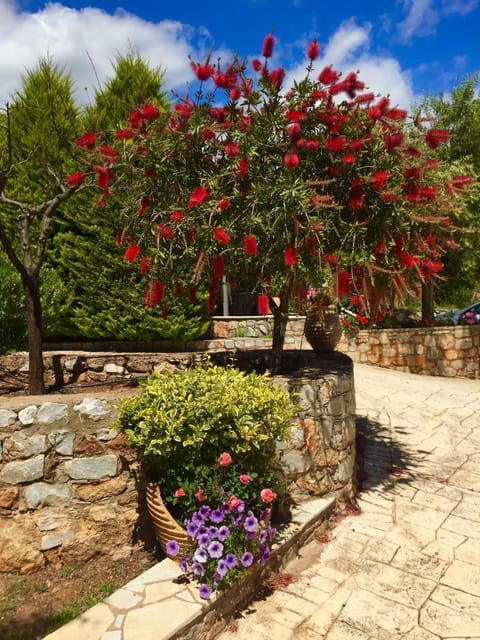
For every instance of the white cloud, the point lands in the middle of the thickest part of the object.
(86, 42)
(421, 19)
(349, 50)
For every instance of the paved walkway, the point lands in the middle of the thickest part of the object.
(407, 567)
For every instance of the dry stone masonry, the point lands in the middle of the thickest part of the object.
(70, 486)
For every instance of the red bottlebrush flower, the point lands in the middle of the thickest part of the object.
(135, 120)
(290, 256)
(331, 259)
(263, 305)
(178, 289)
(243, 168)
(413, 173)
(218, 114)
(460, 182)
(291, 160)
(312, 144)
(436, 137)
(145, 202)
(131, 253)
(207, 134)
(123, 134)
(192, 295)
(344, 284)
(348, 159)
(355, 300)
(295, 132)
(164, 231)
(150, 172)
(202, 71)
(380, 179)
(108, 153)
(227, 80)
(388, 196)
(221, 235)
(104, 176)
(144, 265)
(218, 266)
(409, 260)
(119, 237)
(277, 76)
(380, 248)
(357, 183)
(231, 149)
(87, 141)
(177, 216)
(235, 93)
(223, 204)
(313, 50)
(257, 65)
(250, 244)
(365, 97)
(183, 109)
(362, 319)
(198, 196)
(268, 44)
(149, 111)
(336, 144)
(296, 116)
(328, 76)
(430, 267)
(393, 140)
(357, 201)
(396, 114)
(430, 164)
(75, 179)
(429, 193)
(334, 171)
(154, 294)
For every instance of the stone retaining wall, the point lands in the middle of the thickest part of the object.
(439, 351)
(71, 488)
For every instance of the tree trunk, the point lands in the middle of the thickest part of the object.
(427, 300)
(280, 319)
(36, 385)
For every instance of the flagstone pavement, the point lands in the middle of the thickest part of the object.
(404, 566)
(407, 565)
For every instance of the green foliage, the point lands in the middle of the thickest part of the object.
(182, 422)
(13, 327)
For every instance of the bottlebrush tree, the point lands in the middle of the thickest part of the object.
(323, 186)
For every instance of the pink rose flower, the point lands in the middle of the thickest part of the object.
(244, 478)
(200, 495)
(233, 502)
(179, 493)
(225, 459)
(267, 495)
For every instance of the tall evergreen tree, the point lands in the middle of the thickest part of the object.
(102, 298)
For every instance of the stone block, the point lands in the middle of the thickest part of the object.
(92, 408)
(42, 494)
(17, 472)
(7, 418)
(28, 414)
(50, 412)
(92, 468)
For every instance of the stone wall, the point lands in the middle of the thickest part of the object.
(71, 488)
(439, 351)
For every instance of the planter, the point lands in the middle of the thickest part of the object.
(165, 525)
(323, 328)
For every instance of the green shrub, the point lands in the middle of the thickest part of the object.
(181, 422)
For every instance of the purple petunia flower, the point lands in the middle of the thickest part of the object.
(262, 536)
(198, 569)
(250, 535)
(264, 514)
(272, 532)
(231, 560)
(184, 564)
(213, 532)
(198, 519)
(215, 549)
(204, 510)
(203, 539)
(172, 548)
(265, 556)
(251, 523)
(223, 533)
(217, 516)
(247, 559)
(205, 592)
(200, 555)
(222, 570)
(192, 529)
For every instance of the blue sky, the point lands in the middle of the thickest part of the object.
(405, 48)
